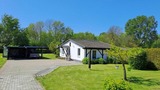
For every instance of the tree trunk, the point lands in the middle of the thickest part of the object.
(124, 72)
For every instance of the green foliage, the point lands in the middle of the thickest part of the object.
(139, 61)
(111, 36)
(101, 61)
(153, 56)
(111, 60)
(119, 54)
(2, 60)
(96, 61)
(42, 34)
(53, 46)
(84, 36)
(143, 30)
(111, 84)
(122, 55)
(21, 39)
(8, 30)
(156, 44)
(85, 60)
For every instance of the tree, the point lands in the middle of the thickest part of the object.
(103, 37)
(8, 30)
(156, 43)
(112, 36)
(127, 41)
(53, 46)
(84, 36)
(32, 35)
(21, 39)
(143, 30)
(122, 55)
(60, 34)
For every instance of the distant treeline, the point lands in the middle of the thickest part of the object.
(140, 31)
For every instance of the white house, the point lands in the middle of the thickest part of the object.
(79, 49)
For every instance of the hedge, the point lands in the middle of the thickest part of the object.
(96, 61)
(139, 61)
(153, 56)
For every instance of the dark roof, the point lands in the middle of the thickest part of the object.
(31, 47)
(91, 44)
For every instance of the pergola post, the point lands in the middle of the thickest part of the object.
(41, 53)
(102, 53)
(86, 52)
(89, 61)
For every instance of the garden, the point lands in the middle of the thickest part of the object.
(142, 72)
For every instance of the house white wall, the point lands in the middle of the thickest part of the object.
(74, 52)
(62, 53)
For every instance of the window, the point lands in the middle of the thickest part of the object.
(79, 51)
(70, 44)
(94, 54)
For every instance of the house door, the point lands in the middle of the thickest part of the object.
(68, 51)
(94, 54)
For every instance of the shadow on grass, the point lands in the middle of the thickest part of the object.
(142, 81)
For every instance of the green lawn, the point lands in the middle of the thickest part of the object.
(81, 78)
(49, 56)
(2, 60)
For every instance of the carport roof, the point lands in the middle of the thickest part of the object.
(36, 47)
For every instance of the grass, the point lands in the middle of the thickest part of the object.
(81, 78)
(2, 60)
(49, 56)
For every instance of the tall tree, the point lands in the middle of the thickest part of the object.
(60, 34)
(112, 36)
(122, 55)
(84, 36)
(32, 35)
(156, 43)
(8, 30)
(127, 41)
(143, 30)
(21, 38)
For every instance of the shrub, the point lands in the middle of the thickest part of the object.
(110, 60)
(85, 60)
(139, 61)
(153, 56)
(111, 84)
(101, 61)
(94, 61)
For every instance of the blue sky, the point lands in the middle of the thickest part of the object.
(94, 16)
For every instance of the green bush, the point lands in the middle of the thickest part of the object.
(139, 62)
(110, 60)
(94, 61)
(101, 61)
(111, 84)
(153, 57)
(85, 60)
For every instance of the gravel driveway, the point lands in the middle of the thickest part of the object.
(20, 74)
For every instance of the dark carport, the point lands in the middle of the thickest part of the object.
(24, 52)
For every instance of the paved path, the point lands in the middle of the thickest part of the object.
(20, 74)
